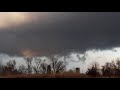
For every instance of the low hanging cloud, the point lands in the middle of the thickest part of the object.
(51, 33)
(84, 60)
(81, 60)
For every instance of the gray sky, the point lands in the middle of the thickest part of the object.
(59, 32)
(95, 35)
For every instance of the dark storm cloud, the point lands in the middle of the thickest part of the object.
(63, 32)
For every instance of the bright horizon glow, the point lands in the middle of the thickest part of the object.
(11, 19)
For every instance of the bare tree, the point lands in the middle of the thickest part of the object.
(29, 64)
(93, 70)
(0, 66)
(49, 71)
(40, 66)
(57, 65)
(9, 67)
(22, 69)
(44, 67)
(37, 67)
(11, 64)
(109, 69)
(117, 68)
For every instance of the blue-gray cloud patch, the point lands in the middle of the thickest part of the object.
(64, 32)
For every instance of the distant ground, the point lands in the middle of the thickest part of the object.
(45, 76)
(51, 76)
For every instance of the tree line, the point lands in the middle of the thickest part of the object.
(38, 66)
(110, 69)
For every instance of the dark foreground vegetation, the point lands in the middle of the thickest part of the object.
(37, 68)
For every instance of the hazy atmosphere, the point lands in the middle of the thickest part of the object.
(83, 37)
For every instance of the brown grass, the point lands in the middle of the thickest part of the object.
(63, 75)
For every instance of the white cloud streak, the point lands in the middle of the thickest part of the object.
(100, 56)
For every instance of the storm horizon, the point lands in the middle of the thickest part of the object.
(82, 36)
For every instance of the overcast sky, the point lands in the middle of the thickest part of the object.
(49, 33)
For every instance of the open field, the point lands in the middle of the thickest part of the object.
(44, 76)
(71, 75)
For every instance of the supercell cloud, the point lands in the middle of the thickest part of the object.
(88, 36)
(48, 33)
